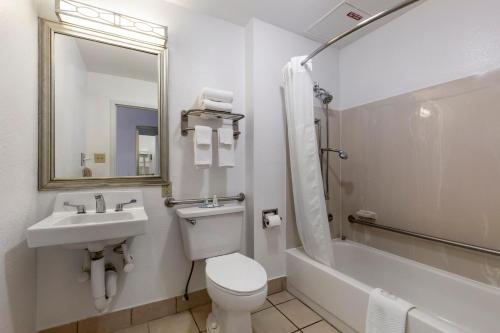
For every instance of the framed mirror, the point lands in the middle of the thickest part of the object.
(103, 110)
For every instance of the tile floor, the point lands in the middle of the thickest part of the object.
(281, 313)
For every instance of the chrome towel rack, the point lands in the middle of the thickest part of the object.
(171, 202)
(210, 114)
(368, 222)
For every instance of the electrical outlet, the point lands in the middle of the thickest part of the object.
(99, 158)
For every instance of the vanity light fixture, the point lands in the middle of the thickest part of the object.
(91, 17)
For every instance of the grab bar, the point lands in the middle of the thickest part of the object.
(353, 219)
(171, 202)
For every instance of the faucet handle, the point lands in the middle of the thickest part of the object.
(119, 206)
(80, 209)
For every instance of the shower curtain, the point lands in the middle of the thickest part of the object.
(309, 200)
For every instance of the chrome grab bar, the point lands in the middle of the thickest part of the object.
(171, 202)
(369, 222)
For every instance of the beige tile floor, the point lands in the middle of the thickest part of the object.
(281, 313)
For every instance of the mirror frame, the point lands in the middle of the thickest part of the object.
(46, 102)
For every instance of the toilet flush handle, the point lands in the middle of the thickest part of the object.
(192, 221)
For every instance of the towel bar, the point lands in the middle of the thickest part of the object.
(210, 114)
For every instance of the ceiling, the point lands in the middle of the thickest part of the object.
(118, 61)
(319, 20)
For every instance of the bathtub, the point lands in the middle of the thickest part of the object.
(445, 302)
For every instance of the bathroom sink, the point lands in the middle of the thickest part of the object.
(90, 230)
(96, 218)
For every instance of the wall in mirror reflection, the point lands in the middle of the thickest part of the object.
(106, 110)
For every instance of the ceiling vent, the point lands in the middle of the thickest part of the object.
(340, 19)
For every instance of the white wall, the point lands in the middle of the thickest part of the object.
(18, 123)
(70, 106)
(103, 90)
(268, 50)
(436, 42)
(203, 51)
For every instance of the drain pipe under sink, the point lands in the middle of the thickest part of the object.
(97, 280)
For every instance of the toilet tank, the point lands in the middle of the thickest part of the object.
(210, 232)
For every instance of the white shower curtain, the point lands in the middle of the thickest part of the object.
(309, 200)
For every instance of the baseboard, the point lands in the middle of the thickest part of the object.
(122, 319)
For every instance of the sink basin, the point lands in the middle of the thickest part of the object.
(91, 230)
(96, 218)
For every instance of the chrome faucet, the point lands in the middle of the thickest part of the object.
(80, 209)
(100, 204)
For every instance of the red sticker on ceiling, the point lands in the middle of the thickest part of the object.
(354, 16)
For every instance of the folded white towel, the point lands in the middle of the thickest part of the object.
(202, 146)
(386, 313)
(207, 104)
(217, 95)
(226, 147)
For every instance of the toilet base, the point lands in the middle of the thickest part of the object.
(220, 321)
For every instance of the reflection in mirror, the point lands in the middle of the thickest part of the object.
(105, 110)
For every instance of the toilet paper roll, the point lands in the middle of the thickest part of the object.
(273, 221)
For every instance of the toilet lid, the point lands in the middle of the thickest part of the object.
(237, 273)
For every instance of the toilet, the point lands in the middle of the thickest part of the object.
(236, 284)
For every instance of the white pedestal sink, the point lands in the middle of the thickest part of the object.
(92, 231)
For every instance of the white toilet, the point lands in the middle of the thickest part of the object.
(237, 284)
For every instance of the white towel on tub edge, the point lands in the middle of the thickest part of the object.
(386, 313)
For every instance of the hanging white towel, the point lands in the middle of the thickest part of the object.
(202, 146)
(226, 147)
(217, 95)
(206, 104)
(386, 313)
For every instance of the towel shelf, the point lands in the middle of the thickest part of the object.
(171, 202)
(210, 114)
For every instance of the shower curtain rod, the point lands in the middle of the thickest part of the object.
(360, 25)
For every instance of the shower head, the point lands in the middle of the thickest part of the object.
(326, 98)
(322, 94)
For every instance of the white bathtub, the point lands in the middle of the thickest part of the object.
(444, 302)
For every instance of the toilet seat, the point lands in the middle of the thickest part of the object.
(236, 274)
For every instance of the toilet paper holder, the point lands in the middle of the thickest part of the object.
(267, 212)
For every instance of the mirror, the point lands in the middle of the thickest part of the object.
(106, 108)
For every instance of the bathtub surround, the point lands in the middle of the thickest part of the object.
(307, 184)
(409, 158)
(18, 195)
(435, 188)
